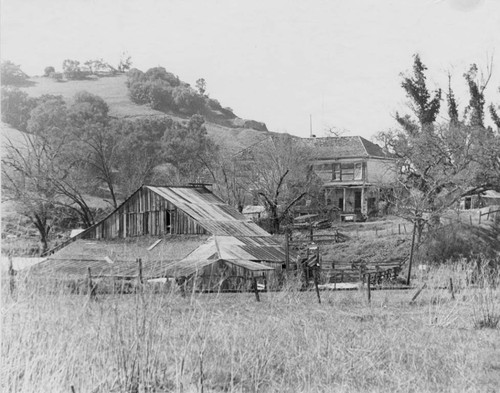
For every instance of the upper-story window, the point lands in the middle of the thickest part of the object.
(347, 171)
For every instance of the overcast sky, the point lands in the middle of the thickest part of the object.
(276, 61)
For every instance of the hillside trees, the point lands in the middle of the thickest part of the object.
(189, 149)
(72, 70)
(164, 91)
(140, 150)
(16, 107)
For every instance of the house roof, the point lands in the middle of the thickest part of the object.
(345, 147)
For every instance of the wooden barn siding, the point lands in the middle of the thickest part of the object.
(145, 213)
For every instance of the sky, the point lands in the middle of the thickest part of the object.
(283, 62)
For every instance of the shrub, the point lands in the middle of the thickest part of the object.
(159, 73)
(48, 71)
(11, 74)
(58, 76)
(16, 108)
(160, 96)
(134, 76)
(139, 93)
(72, 70)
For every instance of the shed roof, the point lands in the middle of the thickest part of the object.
(118, 257)
(189, 267)
(240, 248)
(345, 147)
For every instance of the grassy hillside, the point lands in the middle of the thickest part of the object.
(114, 91)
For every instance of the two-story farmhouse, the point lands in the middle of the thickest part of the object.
(354, 171)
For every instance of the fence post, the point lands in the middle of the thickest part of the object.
(12, 280)
(91, 285)
(451, 289)
(311, 232)
(369, 293)
(399, 229)
(410, 262)
(287, 249)
(315, 274)
(418, 293)
(256, 290)
(139, 276)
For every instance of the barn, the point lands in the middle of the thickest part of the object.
(177, 232)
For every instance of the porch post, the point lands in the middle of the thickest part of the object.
(344, 203)
(363, 204)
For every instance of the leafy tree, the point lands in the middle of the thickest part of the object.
(16, 107)
(201, 86)
(93, 140)
(72, 69)
(188, 148)
(11, 74)
(160, 73)
(424, 105)
(125, 63)
(160, 95)
(139, 151)
(187, 101)
(475, 109)
(48, 70)
(494, 115)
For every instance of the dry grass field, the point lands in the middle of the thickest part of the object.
(159, 341)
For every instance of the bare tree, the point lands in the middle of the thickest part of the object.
(278, 171)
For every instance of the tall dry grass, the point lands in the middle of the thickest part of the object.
(159, 341)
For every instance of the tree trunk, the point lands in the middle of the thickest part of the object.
(43, 230)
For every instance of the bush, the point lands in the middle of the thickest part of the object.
(453, 242)
(160, 96)
(58, 76)
(16, 108)
(159, 73)
(72, 70)
(48, 71)
(11, 74)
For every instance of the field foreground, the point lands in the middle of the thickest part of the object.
(161, 342)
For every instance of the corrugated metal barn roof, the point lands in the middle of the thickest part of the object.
(209, 211)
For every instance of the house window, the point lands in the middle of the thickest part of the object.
(358, 171)
(336, 174)
(347, 172)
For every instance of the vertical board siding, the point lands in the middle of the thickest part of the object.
(145, 213)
